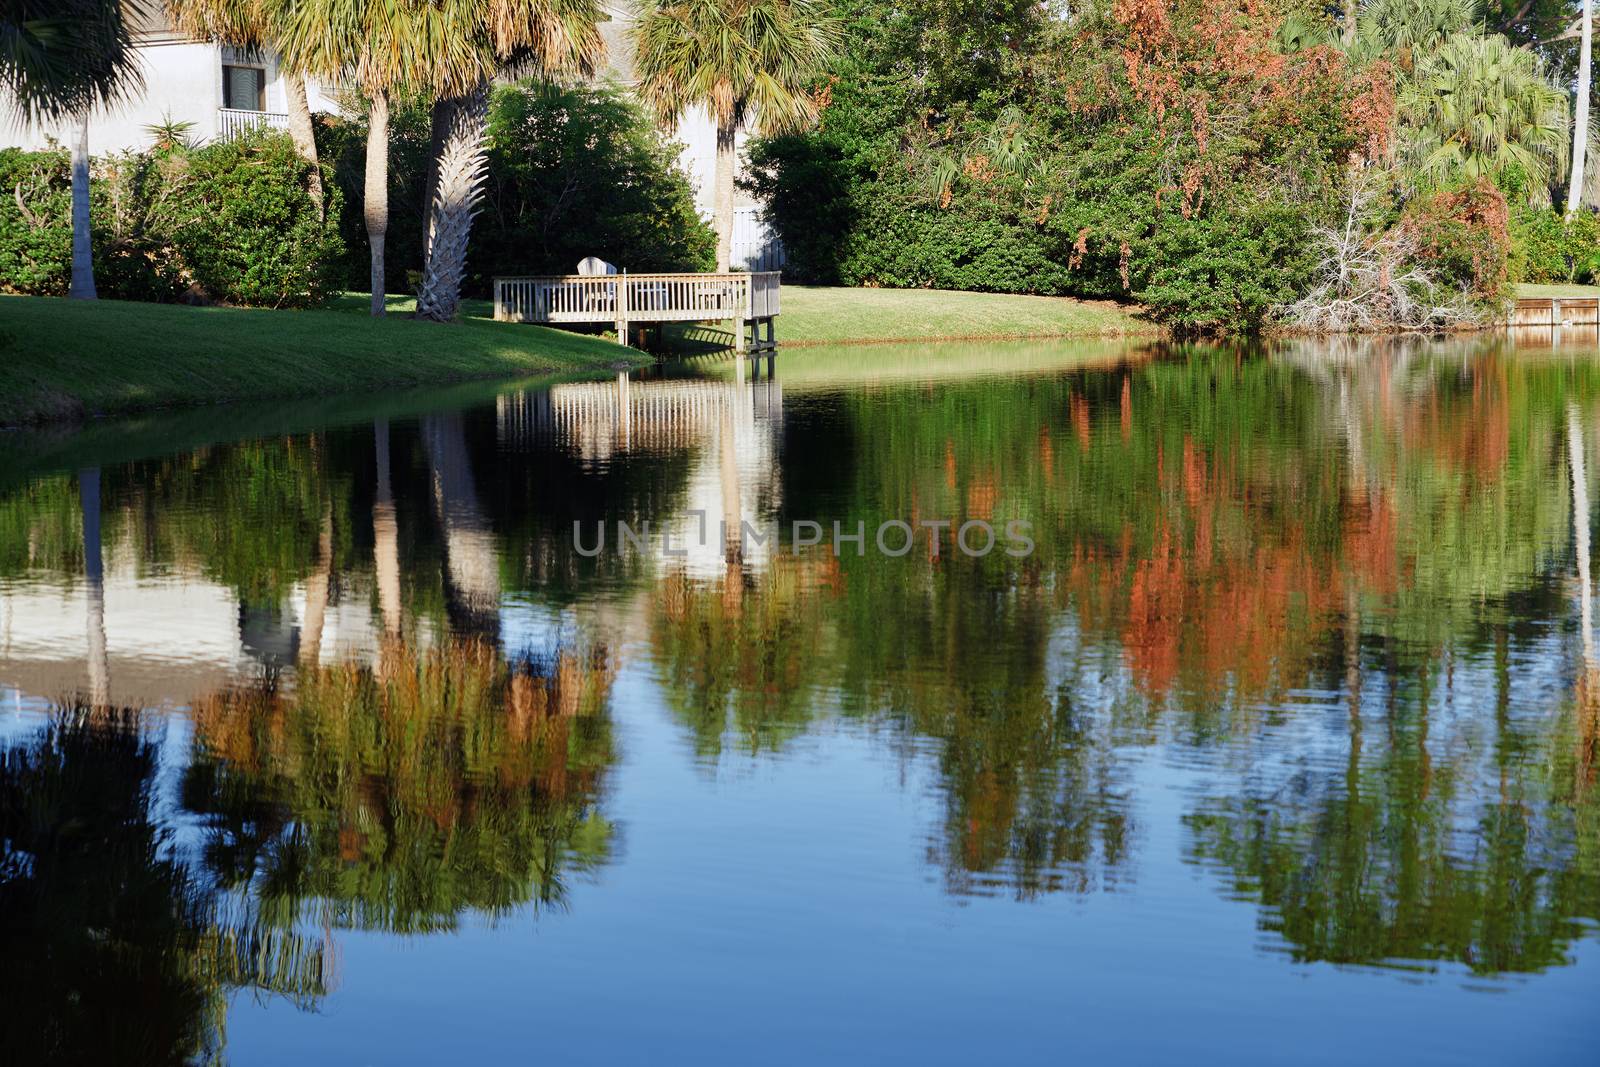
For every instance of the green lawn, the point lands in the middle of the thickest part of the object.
(813, 315)
(819, 315)
(1528, 289)
(60, 358)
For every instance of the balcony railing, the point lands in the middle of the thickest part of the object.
(233, 122)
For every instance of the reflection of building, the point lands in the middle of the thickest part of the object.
(169, 637)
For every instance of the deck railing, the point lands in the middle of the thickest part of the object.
(637, 298)
(1556, 311)
(233, 122)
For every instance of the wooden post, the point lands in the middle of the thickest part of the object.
(622, 309)
(744, 317)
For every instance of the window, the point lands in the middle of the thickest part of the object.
(244, 88)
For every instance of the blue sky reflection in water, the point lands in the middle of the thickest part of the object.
(1281, 745)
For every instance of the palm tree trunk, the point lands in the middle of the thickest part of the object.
(82, 250)
(442, 115)
(305, 141)
(722, 204)
(463, 166)
(1352, 9)
(1580, 115)
(376, 209)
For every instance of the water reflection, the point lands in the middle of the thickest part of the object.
(116, 950)
(397, 797)
(1341, 592)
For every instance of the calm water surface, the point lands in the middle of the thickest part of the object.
(321, 742)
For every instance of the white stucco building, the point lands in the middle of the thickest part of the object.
(220, 89)
(223, 90)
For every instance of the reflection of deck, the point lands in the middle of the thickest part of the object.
(625, 300)
(595, 419)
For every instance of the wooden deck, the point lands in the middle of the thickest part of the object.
(751, 300)
(1556, 311)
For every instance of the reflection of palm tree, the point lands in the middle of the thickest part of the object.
(472, 571)
(1580, 534)
(317, 592)
(401, 798)
(385, 537)
(94, 576)
(114, 953)
(732, 515)
(1588, 683)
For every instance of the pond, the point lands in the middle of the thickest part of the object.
(697, 714)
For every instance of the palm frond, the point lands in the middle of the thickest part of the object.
(68, 57)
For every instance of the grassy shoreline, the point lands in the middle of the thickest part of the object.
(816, 315)
(66, 359)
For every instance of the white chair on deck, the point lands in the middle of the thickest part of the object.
(594, 297)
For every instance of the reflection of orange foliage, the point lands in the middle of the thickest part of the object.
(1236, 619)
(1474, 439)
(990, 803)
(1588, 709)
(1080, 419)
(1211, 614)
(1127, 409)
(981, 497)
(1370, 544)
(426, 734)
(1047, 453)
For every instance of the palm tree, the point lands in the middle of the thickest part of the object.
(1580, 118)
(1481, 107)
(548, 37)
(742, 60)
(330, 38)
(243, 24)
(446, 48)
(64, 58)
(1411, 28)
(376, 41)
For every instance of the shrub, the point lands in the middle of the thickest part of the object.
(575, 172)
(35, 222)
(250, 231)
(1463, 239)
(229, 223)
(1545, 247)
